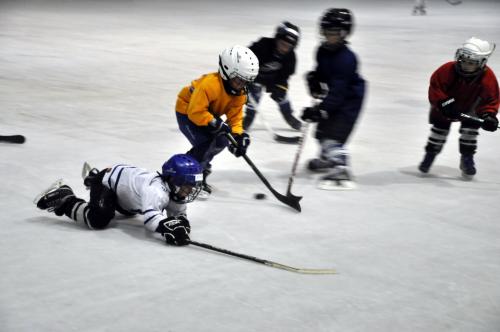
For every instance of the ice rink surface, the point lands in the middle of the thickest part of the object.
(97, 82)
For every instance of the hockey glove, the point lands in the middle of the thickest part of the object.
(243, 141)
(218, 127)
(314, 114)
(490, 122)
(317, 89)
(449, 108)
(175, 230)
(278, 92)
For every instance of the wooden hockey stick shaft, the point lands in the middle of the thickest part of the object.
(262, 261)
(297, 156)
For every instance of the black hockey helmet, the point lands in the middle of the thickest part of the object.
(288, 32)
(337, 19)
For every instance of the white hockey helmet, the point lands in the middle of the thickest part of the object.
(474, 50)
(238, 61)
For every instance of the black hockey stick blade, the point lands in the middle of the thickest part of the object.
(262, 261)
(287, 139)
(289, 199)
(17, 139)
(454, 2)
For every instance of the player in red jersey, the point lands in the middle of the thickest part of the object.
(464, 86)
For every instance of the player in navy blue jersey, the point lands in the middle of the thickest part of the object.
(340, 89)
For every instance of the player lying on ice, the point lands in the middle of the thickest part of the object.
(131, 191)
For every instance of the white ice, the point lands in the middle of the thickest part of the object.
(97, 82)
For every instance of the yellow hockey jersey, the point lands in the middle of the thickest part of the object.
(206, 98)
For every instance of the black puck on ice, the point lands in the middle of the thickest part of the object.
(259, 196)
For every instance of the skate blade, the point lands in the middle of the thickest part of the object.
(467, 177)
(336, 185)
(85, 170)
(57, 184)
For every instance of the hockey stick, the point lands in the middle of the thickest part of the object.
(17, 139)
(263, 261)
(276, 137)
(289, 199)
(454, 2)
(297, 157)
(473, 118)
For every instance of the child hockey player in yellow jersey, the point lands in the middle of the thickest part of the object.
(201, 105)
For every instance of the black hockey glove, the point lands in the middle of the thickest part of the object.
(449, 108)
(490, 122)
(317, 89)
(314, 114)
(175, 230)
(243, 141)
(218, 127)
(278, 92)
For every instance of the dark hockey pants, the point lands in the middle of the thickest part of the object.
(440, 130)
(205, 144)
(340, 123)
(98, 212)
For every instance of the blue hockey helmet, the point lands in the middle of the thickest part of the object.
(182, 171)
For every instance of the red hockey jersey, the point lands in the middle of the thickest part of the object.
(482, 90)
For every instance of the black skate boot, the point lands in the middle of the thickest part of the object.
(55, 198)
(206, 189)
(426, 164)
(320, 165)
(91, 178)
(467, 166)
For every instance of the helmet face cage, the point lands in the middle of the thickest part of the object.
(189, 197)
(288, 32)
(336, 20)
(238, 61)
(475, 51)
(465, 55)
(180, 171)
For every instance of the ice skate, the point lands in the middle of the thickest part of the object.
(467, 166)
(88, 174)
(339, 178)
(320, 165)
(206, 189)
(426, 164)
(53, 198)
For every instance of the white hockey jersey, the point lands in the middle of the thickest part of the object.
(141, 192)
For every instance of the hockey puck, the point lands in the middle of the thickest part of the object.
(259, 196)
